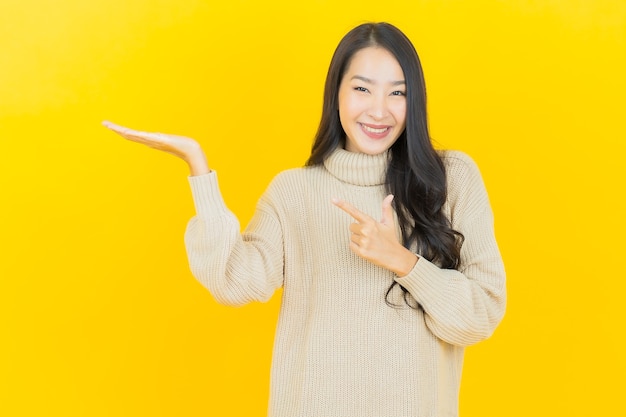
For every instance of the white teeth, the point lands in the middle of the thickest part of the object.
(372, 130)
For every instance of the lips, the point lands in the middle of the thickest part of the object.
(375, 131)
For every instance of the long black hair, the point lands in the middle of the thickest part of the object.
(416, 174)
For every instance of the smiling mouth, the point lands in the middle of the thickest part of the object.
(374, 130)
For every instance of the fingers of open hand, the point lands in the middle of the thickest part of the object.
(131, 134)
(123, 131)
(147, 138)
(161, 141)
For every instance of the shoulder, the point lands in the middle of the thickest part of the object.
(457, 162)
(296, 175)
(293, 181)
(466, 189)
(461, 170)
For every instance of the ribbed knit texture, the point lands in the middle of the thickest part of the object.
(339, 350)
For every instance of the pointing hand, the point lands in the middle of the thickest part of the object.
(378, 241)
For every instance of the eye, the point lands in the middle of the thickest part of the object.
(398, 93)
(361, 89)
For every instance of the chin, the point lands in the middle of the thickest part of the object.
(375, 149)
(369, 146)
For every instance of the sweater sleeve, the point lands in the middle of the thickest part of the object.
(464, 306)
(236, 268)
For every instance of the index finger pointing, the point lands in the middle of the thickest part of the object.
(351, 210)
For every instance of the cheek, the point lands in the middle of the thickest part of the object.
(346, 107)
(344, 113)
(399, 112)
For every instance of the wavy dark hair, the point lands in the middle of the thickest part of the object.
(416, 175)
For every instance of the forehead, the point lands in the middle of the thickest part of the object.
(375, 63)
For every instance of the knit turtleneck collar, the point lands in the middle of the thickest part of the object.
(357, 168)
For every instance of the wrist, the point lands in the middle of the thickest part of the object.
(197, 162)
(406, 263)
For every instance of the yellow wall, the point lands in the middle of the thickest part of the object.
(99, 315)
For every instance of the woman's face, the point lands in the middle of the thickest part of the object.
(372, 101)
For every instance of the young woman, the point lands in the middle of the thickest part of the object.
(376, 309)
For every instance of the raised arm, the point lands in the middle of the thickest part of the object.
(236, 269)
(182, 147)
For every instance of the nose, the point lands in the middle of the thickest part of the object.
(378, 108)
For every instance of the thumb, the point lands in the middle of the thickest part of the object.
(387, 217)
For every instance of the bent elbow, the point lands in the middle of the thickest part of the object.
(468, 329)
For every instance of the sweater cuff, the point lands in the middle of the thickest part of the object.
(424, 279)
(206, 195)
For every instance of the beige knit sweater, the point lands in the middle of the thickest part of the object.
(339, 350)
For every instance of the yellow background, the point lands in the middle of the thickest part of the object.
(99, 315)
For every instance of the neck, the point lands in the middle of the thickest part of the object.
(358, 168)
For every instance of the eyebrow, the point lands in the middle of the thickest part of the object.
(369, 81)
